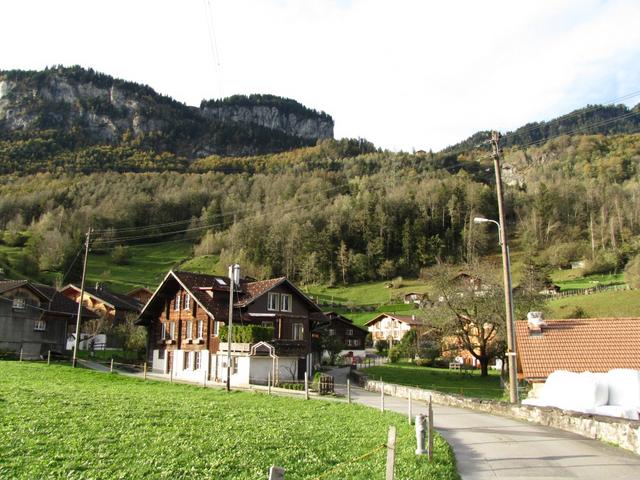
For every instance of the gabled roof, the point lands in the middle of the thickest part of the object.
(117, 301)
(577, 345)
(333, 316)
(131, 293)
(408, 319)
(199, 284)
(56, 302)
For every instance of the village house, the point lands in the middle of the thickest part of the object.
(416, 298)
(98, 299)
(351, 336)
(186, 315)
(141, 294)
(391, 327)
(35, 318)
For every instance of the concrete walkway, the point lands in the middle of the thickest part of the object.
(489, 446)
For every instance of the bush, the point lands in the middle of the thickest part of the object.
(394, 354)
(576, 312)
(382, 346)
(604, 262)
(121, 255)
(292, 386)
(632, 272)
(247, 334)
(423, 362)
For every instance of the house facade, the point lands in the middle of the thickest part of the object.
(351, 336)
(101, 301)
(35, 318)
(392, 327)
(186, 313)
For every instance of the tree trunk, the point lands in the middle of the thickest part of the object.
(484, 366)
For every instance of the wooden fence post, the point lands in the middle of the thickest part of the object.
(204, 379)
(391, 453)
(111, 366)
(144, 371)
(20, 353)
(410, 412)
(381, 396)
(49, 357)
(430, 431)
(269, 383)
(170, 374)
(348, 391)
(276, 473)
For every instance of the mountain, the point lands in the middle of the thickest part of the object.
(80, 107)
(590, 120)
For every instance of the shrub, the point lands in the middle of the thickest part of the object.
(247, 334)
(394, 354)
(423, 362)
(576, 312)
(632, 272)
(604, 262)
(382, 346)
(120, 255)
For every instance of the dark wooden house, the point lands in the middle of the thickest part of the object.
(351, 336)
(185, 314)
(35, 318)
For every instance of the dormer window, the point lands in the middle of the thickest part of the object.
(273, 301)
(349, 331)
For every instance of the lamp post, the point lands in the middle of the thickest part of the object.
(508, 300)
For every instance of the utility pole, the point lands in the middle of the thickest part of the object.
(506, 270)
(234, 273)
(76, 343)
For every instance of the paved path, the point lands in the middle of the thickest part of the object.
(491, 447)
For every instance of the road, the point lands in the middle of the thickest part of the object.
(493, 447)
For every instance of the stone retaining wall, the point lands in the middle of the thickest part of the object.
(619, 431)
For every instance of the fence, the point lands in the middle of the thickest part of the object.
(590, 291)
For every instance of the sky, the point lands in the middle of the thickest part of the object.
(403, 74)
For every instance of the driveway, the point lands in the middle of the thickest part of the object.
(489, 446)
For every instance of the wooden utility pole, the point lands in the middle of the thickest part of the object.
(76, 343)
(506, 270)
(233, 273)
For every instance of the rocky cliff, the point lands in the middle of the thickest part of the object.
(87, 107)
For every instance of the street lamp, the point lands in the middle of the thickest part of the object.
(508, 300)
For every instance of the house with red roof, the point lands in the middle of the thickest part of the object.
(185, 318)
(576, 345)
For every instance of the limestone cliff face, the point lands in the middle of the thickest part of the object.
(299, 125)
(95, 108)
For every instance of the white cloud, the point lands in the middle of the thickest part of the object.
(403, 74)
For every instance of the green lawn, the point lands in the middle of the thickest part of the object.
(147, 267)
(373, 293)
(625, 303)
(204, 264)
(568, 279)
(440, 379)
(57, 422)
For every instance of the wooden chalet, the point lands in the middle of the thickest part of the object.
(35, 318)
(351, 336)
(141, 294)
(186, 312)
(391, 327)
(98, 299)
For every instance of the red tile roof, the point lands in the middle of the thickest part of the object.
(578, 345)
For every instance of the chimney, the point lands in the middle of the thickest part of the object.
(413, 317)
(535, 322)
(98, 286)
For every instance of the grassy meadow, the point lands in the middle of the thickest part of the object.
(469, 384)
(57, 422)
(624, 303)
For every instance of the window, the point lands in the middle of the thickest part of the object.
(187, 301)
(234, 365)
(185, 361)
(196, 360)
(352, 342)
(200, 328)
(189, 329)
(349, 331)
(41, 325)
(161, 354)
(267, 324)
(163, 331)
(332, 331)
(298, 331)
(19, 303)
(285, 302)
(172, 331)
(273, 301)
(176, 302)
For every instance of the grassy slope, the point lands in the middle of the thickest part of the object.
(147, 267)
(606, 304)
(66, 423)
(448, 381)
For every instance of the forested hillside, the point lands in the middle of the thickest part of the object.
(340, 211)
